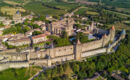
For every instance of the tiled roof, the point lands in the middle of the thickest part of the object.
(39, 36)
(20, 40)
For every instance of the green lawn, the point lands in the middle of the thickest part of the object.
(18, 74)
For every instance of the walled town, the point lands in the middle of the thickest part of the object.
(32, 48)
(64, 39)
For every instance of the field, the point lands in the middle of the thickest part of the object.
(115, 3)
(42, 7)
(61, 5)
(18, 74)
(92, 13)
(86, 10)
(49, 8)
(10, 10)
(81, 11)
(42, 10)
(11, 2)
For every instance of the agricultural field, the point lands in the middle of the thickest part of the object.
(11, 2)
(86, 10)
(42, 10)
(61, 5)
(115, 3)
(19, 74)
(50, 8)
(81, 11)
(92, 13)
(10, 10)
(42, 7)
(15, 2)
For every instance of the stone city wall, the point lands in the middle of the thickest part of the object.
(94, 52)
(7, 65)
(59, 54)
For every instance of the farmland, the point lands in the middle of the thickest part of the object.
(42, 10)
(10, 10)
(115, 3)
(46, 7)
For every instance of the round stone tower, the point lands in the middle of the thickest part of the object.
(112, 33)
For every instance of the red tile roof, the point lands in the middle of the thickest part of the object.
(39, 36)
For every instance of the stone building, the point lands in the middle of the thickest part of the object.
(65, 24)
(19, 42)
(59, 54)
(39, 38)
(39, 23)
(17, 18)
(23, 40)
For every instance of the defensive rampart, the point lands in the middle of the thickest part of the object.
(60, 54)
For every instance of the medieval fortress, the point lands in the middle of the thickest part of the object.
(52, 56)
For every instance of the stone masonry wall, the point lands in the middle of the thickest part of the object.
(59, 54)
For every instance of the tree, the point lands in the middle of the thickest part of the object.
(61, 71)
(75, 67)
(36, 33)
(64, 34)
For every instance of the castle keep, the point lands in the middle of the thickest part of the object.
(49, 57)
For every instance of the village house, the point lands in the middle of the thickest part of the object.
(2, 47)
(2, 19)
(24, 40)
(39, 38)
(1, 30)
(48, 17)
(17, 36)
(17, 18)
(43, 27)
(7, 22)
(39, 23)
(30, 17)
(29, 33)
(19, 42)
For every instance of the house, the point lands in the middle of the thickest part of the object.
(30, 17)
(39, 38)
(48, 17)
(39, 23)
(7, 22)
(17, 36)
(19, 42)
(2, 47)
(29, 33)
(43, 27)
(17, 18)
